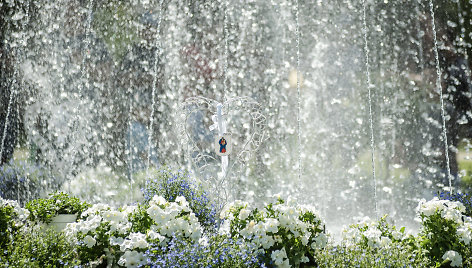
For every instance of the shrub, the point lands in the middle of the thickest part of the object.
(124, 234)
(395, 256)
(95, 228)
(288, 235)
(375, 242)
(37, 247)
(446, 232)
(170, 185)
(44, 209)
(12, 219)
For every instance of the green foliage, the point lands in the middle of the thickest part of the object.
(36, 247)
(375, 242)
(95, 253)
(397, 256)
(44, 209)
(140, 219)
(439, 235)
(8, 228)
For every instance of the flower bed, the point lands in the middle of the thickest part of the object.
(165, 231)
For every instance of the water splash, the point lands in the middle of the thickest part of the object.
(369, 87)
(419, 36)
(154, 85)
(225, 36)
(5, 127)
(298, 96)
(439, 88)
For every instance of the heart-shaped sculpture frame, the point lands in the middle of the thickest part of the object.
(246, 123)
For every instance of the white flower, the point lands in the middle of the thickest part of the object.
(133, 241)
(278, 256)
(158, 200)
(181, 200)
(397, 235)
(385, 242)
(464, 233)
(89, 241)
(95, 209)
(116, 241)
(114, 216)
(244, 213)
(155, 236)
(271, 225)
(452, 214)
(373, 236)
(320, 241)
(129, 209)
(304, 240)
(285, 264)
(71, 229)
(159, 215)
(454, 257)
(304, 259)
(267, 241)
(132, 259)
(430, 207)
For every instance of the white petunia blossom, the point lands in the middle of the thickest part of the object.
(89, 241)
(271, 225)
(158, 200)
(244, 213)
(454, 257)
(132, 259)
(116, 241)
(278, 256)
(320, 241)
(385, 242)
(465, 233)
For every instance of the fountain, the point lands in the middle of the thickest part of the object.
(363, 103)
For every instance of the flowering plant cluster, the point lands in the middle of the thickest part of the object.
(289, 235)
(373, 234)
(179, 229)
(446, 232)
(124, 234)
(379, 241)
(170, 185)
(464, 198)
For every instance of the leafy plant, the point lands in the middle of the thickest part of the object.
(446, 232)
(396, 256)
(12, 219)
(170, 185)
(288, 235)
(376, 242)
(37, 247)
(44, 209)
